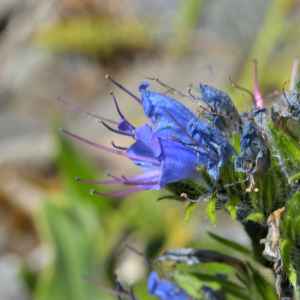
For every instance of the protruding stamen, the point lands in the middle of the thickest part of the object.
(125, 90)
(193, 96)
(141, 177)
(233, 85)
(257, 95)
(294, 76)
(85, 112)
(114, 130)
(117, 147)
(92, 191)
(117, 106)
(149, 167)
(129, 155)
(118, 109)
(77, 179)
(245, 90)
(213, 77)
(138, 189)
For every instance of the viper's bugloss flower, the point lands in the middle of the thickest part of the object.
(171, 118)
(165, 289)
(256, 155)
(173, 150)
(221, 107)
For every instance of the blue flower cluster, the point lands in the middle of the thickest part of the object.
(178, 142)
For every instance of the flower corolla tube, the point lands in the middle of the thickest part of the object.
(172, 149)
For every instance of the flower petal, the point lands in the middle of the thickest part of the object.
(125, 127)
(148, 137)
(178, 162)
(155, 106)
(221, 104)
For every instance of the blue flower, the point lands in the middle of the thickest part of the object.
(221, 107)
(165, 289)
(170, 117)
(256, 155)
(173, 150)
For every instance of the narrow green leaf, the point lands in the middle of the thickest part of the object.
(265, 290)
(188, 212)
(285, 248)
(171, 197)
(288, 227)
(211, 210)
(230, 244)
(231, 206)
(288, 151)
(293, 151)
(297, 227)
(295, 177)
(225, 285)
(236, 143)
(279, 144)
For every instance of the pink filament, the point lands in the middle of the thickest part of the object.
(140, 178)
(118, 109)
(132, 191)
(257, 95)
(129, 155)
(85, 112)
(213, 77)
(125, 90)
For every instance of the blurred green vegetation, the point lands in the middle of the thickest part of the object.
(94, 35)
(83, 233)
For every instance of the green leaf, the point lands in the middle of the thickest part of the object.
(236, 143)
(257, 217)
(71, 164)
(230, 244)
(295, 177)
(211, 210)
(72, 232)
(231, 206)
(265, 290)
(289, 152)
(171, 197)
(285, 248)
(297, 227)
(198, 279)
(288, 227)
(188, 212)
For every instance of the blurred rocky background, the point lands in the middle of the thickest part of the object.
(51, 230)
